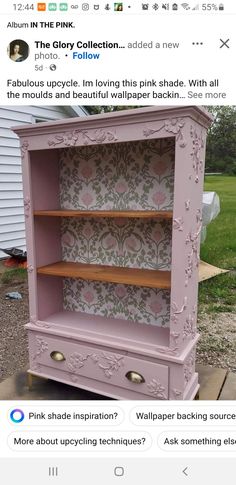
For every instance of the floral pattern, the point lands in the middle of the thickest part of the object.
(119, 176)
(156, 389)
(143, 305)
(136, 243)
(135, 175)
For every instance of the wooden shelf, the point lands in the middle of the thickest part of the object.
(111, 274)
(112, 214)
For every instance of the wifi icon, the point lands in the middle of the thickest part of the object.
(186, 6)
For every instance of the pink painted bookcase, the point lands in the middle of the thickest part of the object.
(113, 219)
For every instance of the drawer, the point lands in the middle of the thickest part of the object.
(109, 366)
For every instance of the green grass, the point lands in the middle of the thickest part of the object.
(14, 275)
(219, 294)
(220, 246)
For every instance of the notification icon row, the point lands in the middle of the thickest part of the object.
(63, 7)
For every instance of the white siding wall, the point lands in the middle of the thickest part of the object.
(12, 227)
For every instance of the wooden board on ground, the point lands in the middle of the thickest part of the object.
(207, 271)
(228, 392)
(211, 382)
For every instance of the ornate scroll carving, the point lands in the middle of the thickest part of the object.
(76, 361)
(172, 125)
(41, 347)
(109, 363)
(176, 310)
(174, 337)
(177, 393)
(187, 205)
(156, 389)
(190, 325)
(193, 256)
(197, 145)
(24, 148)
(27, 206)
(113, 363)
(30, 268)
(178, 223)
(71, 138)
(189, 367)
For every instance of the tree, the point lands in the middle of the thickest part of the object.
(93, 110)
(221, 140)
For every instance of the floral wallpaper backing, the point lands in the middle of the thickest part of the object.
(119, 176)
(135, 175)
(143, 305)
(136, 243)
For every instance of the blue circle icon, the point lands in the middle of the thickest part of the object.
(17, 415)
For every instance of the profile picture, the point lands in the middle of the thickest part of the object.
(18, 50)
(118, 7)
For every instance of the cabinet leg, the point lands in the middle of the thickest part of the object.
(30, 379)
(197, 396)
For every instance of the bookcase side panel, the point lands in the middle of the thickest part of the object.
(45, 180)
(47, 232)
(29, 228)
(187, 222)
(44, 171)
(49, 296)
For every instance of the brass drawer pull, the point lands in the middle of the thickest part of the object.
(57, 356)
(134, 377)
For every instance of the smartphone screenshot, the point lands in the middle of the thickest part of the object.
(117, 242)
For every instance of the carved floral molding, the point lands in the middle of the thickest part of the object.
(192, 240)
(178, 223)
(156, 389)
(27, 206)
(24, 148)
(71, 138)
(189, 367)
(171, 125)
(41, 347)
(109, 363)
(177, 310)
(196, 154)
(189, 330)
(177, 393)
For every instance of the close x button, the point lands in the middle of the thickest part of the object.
(224, 43)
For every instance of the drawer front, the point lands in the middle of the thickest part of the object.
(108, 366)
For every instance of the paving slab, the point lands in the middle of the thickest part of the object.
(16, 387)
(211, 381)
(228, 392)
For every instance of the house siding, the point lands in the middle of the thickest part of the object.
(12, 226)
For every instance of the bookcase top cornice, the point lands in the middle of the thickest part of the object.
(132, 116)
